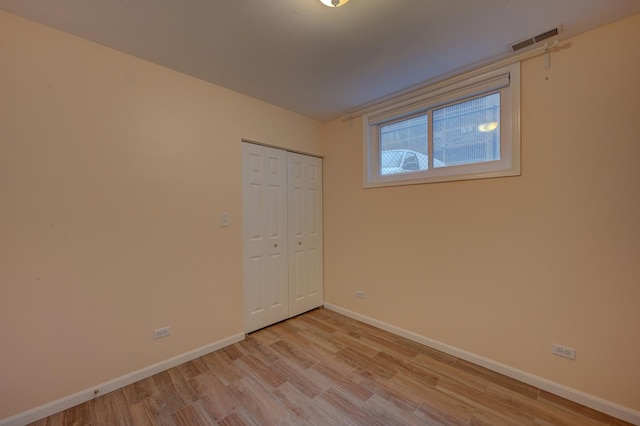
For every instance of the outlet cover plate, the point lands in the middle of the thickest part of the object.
(563, 351)
(160, 333)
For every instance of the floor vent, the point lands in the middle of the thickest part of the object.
(535, 39)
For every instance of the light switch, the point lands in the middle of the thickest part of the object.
(224, 219)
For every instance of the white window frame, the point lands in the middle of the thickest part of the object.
(504, 80)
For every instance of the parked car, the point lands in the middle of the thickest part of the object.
(404, 160)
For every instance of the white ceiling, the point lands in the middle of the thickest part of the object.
(315, 60)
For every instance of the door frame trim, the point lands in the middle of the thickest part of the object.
(268, 145)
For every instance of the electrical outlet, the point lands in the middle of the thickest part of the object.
(360, 294)
(161, 332)
(563, 351)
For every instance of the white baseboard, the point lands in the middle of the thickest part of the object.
(574, 395)
(61, 404)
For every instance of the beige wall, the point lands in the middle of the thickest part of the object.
(503, 268)
(112, 174)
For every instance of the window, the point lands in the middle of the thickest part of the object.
(462, 129)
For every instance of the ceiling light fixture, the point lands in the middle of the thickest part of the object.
(334, 3)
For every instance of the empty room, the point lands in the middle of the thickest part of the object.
(360, 212)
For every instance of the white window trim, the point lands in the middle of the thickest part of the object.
(506, 80)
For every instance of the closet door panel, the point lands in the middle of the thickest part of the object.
(305, 233)
(265, 265)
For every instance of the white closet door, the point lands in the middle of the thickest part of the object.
(266, 290)
(305, 233)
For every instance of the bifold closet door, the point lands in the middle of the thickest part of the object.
(282, 234)
(305, 233)
(264, 217)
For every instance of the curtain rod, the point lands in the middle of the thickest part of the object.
(474, 69)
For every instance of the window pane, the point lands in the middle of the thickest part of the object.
(403, 146)
(467, 132)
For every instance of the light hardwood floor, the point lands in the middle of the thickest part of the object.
(323, 368)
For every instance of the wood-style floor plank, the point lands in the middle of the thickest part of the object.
(193, 415)
(322, 368)
(302, 409)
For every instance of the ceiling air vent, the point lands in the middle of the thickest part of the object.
(547, 34)
(535, 39)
